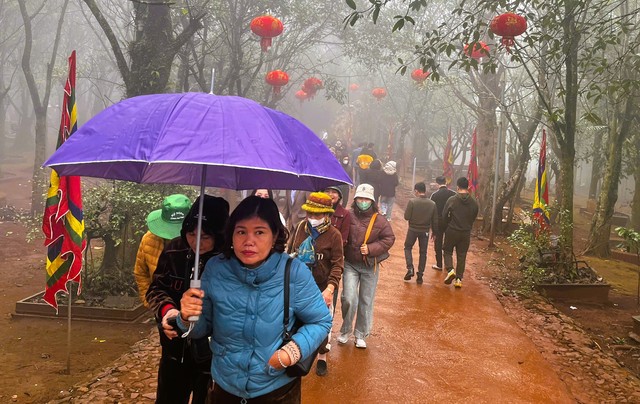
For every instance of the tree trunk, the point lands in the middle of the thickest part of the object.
(600, 232)
(635, 203)
(566, 130)
(39, 105)
(486, 146)
(110, 256)
(596, 166)
(3, 130)
(153, 49)
(38, 180)
(567, 158)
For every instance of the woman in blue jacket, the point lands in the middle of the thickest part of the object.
(241, 307)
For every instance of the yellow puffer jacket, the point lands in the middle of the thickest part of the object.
(146, 262)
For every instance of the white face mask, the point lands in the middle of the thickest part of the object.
(315, 222)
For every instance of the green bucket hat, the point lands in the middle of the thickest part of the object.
(167, 222)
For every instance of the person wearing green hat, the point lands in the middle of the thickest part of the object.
(164, 224)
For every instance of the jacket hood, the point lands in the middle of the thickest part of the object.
(464, 198)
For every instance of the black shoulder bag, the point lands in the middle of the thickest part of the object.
(303, 366)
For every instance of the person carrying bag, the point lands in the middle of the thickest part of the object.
(318, 244)
(370, 238)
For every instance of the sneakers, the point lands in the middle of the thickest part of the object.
(419, 279)
(409, 275)
(457, 283)
(360, 343)
(450, 276)
(321, 368)
(343, 338)
(437, 268)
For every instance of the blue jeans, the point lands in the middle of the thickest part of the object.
(358, 291)
(386, 205)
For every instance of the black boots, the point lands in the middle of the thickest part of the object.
(409, 275)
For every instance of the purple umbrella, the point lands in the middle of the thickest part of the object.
(170, 138)
(199, 139)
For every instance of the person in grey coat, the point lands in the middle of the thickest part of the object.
(458, 216)
(422, 215)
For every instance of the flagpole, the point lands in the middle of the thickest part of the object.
(69, 288)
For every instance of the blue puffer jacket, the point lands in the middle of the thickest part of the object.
(244, 309)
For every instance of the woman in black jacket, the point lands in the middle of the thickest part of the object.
(185, 364)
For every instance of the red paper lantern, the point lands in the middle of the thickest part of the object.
(353, 87)
(379, 93)
(277, 78)
(419, 75)
(508, 26)
(311, 86)
(301, 95)
(266, 27)
(479, 51)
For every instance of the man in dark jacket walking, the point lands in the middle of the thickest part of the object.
(458, 216)
(440, 197)
(422, 215)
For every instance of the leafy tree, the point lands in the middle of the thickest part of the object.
(40, 102)
(570, 37)
(116, 212)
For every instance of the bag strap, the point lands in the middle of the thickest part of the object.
(368, 233)
(287, 271)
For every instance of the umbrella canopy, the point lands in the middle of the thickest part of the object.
(172, 138)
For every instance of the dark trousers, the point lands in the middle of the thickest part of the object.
(423, 242)
(459, 240)
(288, 394)
(176, 380)
(438, 237)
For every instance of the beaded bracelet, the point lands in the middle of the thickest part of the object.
(293, 350)
(280, 360)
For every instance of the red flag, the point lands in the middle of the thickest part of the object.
(447, 160)
(541, 193)
(63, 222)
(472, 172)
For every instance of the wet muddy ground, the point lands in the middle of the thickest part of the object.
(430, 343)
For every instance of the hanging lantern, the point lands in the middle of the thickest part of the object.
(311, 86)
(480, 50)
(301, 95)
(353, 87)
(266, 27)
(419, 76)
(379, 93)
(508, 26)
(277, 78)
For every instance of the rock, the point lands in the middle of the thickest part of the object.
(115, 393)
(150, 396)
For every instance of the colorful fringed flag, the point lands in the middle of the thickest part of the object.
(63, 222)
(541, 193)
(472, 172)
(447, 160)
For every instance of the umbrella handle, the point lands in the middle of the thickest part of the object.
(195, 283)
